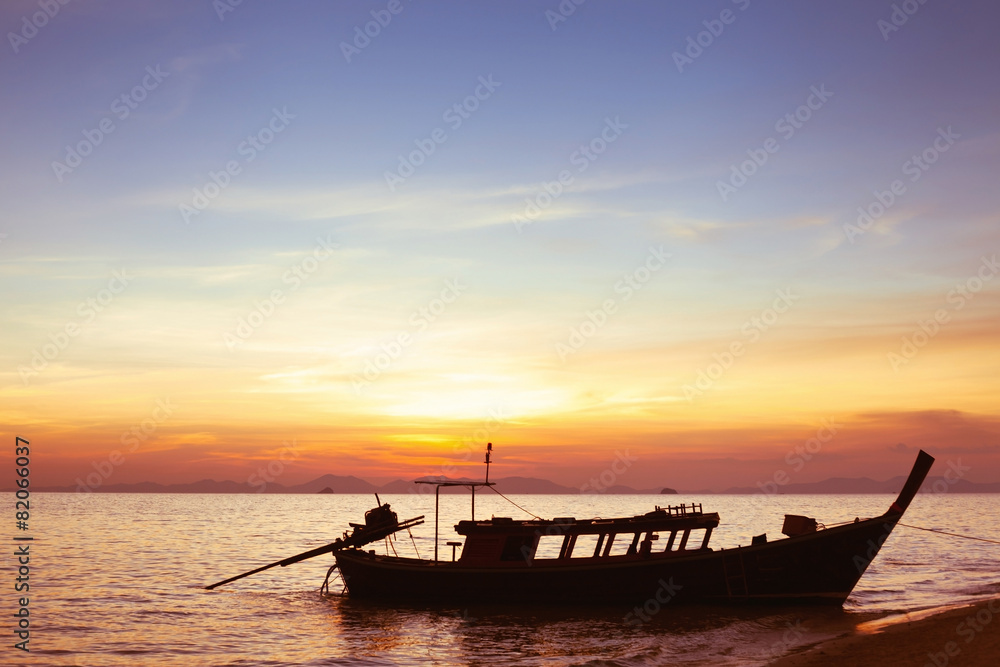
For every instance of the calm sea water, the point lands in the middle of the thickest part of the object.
(117, 580)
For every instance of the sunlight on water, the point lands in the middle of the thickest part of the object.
(119, 582)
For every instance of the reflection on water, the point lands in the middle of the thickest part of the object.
(117, 580)
(484, 634)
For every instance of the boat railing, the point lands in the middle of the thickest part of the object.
(681, 510)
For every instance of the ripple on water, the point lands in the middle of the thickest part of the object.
(130, 591)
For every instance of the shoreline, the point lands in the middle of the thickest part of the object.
(954, 634)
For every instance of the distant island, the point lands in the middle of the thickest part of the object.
(340, 484)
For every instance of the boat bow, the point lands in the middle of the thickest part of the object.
(913, 483)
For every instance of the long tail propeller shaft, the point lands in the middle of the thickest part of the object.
(361, 536)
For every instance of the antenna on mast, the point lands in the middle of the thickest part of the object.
(489, 448)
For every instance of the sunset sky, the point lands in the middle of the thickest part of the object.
(234, 234)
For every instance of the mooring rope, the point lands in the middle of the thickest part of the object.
(325, 588)
(942, 532)
(414, 543)
(515, 504)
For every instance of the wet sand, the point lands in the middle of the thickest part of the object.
(966, 635)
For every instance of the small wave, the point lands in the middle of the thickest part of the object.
(990, 588)
(361, 661)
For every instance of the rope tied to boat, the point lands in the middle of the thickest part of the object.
(414, 542)
(515, 504)
(942, 532)
(325, 588)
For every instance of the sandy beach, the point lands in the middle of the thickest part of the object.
(966, 635)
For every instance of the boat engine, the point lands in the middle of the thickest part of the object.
(380, 517)
(796, 524)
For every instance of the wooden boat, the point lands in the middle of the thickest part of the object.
(663, 555)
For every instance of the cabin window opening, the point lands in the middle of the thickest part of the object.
(671, 541)
(632, 548)
(618, 544)
(586, 546)
(708, 536)
(646, 546)
(684, 540)
(697, 540)
(607, 545)
(518, 547)
(549, 546)
(567, 546)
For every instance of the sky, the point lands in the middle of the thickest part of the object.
(694, 245)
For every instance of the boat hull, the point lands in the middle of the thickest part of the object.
(818, 568)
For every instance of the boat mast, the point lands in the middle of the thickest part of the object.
(489, 448)
(471, 485)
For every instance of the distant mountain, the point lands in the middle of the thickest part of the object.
(963, 486)
(832, 485)
(532, 485)
(342, 484)
(527, 485)
(339, 484)
(397, 486)
(203, 486)
(848, 485)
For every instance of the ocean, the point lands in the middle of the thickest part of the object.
(117, 579)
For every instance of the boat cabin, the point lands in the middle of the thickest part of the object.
(664, 532)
